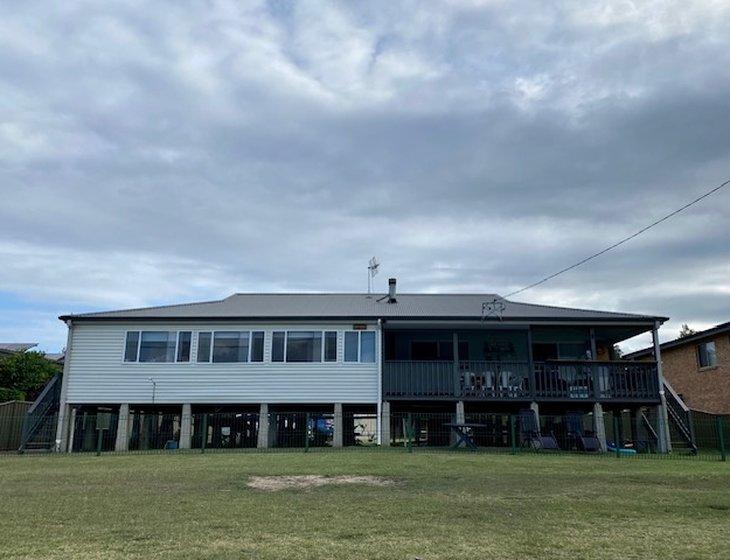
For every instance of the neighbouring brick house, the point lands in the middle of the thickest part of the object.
(698, 368)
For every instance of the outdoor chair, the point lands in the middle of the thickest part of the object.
(584, 440)
(530, 432)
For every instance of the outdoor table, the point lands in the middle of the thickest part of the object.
(462, 431)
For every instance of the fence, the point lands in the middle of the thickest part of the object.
(12, 414)
(626, 435)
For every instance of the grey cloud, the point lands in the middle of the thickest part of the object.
(280, 145)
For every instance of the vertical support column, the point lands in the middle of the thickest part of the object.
(594, 350)
(530, 364)
(385, 424)
(122, 442)
(460, 419)
(71, 431)
(338, 433)
(460, 414)
(599, 424)
(186, 421)
(380, 353)
(263, 436)
(665, 443)
(534, 406)
(62, 428)
(457, 370)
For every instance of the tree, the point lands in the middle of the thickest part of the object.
(685, 331)
(24, 374)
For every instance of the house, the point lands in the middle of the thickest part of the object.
(698, 367)
(10, 348)
(262, 361)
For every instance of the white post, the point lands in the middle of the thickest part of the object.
(122, 442)
(460, 418)
(186, 421)
(599, 424)
(337, 435)
(385, 425)
(263, 436)
(62, 429)
(460, 414)
(71, 431)
(379, 411)
(665, 442)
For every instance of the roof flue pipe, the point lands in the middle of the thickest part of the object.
(391, 290)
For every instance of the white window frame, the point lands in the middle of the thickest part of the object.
(359, 347)
(139, 346)
(322, 333)
(698, 353)
(212, 347)
(321, 344)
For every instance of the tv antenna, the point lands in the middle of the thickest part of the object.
(493, 308)
(373, 265)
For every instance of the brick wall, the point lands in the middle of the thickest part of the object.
(702, 389)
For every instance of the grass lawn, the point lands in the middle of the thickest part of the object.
(444, 506)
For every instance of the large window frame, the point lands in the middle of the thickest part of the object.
(326, 337)
(251, 334)
(359, 360)
(175, 355)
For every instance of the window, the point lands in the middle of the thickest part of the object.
(230, 346)
(367, 347)
(225, 347)
(707, 354)
(204, 346)
(303, 346)
(131, 346)
(157, 346)
(330, 346)
(360, 346)
(257, 346)
(351, 345)
(277, 346)
(183, 346)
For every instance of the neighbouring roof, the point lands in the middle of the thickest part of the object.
(358, 306)
(13, 347)
(697, 337)
(55, 356)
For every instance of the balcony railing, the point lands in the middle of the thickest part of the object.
(505, 381)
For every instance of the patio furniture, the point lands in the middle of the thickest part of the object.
(584, 440)
(530, 432)
(464, 434)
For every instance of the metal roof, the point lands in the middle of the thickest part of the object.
(358, 306)
(717, 329)
(17, 346)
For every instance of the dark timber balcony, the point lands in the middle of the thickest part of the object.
(558, 380)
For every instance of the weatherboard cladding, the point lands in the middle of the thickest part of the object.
(97, 373)
(353, 306)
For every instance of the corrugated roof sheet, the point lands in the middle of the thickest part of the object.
(17, 346)
(408, 306)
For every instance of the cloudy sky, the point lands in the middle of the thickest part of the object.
(167, 152)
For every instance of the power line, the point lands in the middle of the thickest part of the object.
(624, 240)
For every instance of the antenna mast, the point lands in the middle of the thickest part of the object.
(373, 265)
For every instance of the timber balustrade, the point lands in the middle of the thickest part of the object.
(510, 381)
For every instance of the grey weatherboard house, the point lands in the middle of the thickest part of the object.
(259, 357)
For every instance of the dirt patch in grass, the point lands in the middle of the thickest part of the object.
(305, 482)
